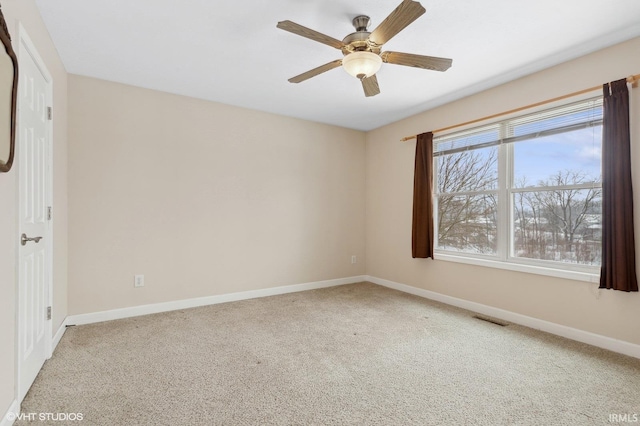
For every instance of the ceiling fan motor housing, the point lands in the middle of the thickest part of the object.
(359, 41)
(361, 22)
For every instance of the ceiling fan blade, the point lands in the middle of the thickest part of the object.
(399, 19)
(298, 29)
(418, 61)
(316, 71)
(370, 86)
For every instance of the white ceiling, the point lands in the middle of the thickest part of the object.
(231, 51)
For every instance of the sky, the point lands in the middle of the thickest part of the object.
(539, 158)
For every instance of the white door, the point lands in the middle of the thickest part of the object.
(34, 248)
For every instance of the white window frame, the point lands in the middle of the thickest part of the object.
(503, 258)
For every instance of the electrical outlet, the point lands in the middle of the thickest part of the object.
(354, 259)
(138, 280)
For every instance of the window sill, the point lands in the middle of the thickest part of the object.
(519, 267)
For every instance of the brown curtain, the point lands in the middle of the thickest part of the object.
(422, 229)
(618, 270)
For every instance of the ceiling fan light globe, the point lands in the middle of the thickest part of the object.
(361, 64)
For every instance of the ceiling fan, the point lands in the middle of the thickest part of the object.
(362, 49)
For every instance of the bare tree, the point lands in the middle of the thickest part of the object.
(530, 233)
(568, 208)
(559, 224)
(553, 220)
(467, 171)
(467, 221)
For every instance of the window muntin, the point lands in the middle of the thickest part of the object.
(525, 190)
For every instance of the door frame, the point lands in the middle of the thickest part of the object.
(26, 47)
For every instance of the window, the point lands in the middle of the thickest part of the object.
(524, 191)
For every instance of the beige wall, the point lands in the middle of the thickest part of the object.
(203, 198)
(389, 199)
(25, 12)
(208, 199)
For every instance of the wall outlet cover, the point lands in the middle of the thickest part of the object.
(138, 281)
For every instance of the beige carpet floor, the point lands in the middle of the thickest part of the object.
(351, 355)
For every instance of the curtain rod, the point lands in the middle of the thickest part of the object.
(633, 80)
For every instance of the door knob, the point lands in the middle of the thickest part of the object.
(24, 239)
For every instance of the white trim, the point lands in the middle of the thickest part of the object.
(504, 257)
(23, 37)
(14, 408)
(58, 336)
(520, 267)
(135, 311)
(598, 340)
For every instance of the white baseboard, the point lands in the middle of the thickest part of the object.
(155, 308)
(58, 335)
(10, 416)
(598, 340)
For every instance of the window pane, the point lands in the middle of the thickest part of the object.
(561, 159)
(474, 170)
(467, 223)
(560, 225)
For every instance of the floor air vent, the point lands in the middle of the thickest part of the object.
(492, 320)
